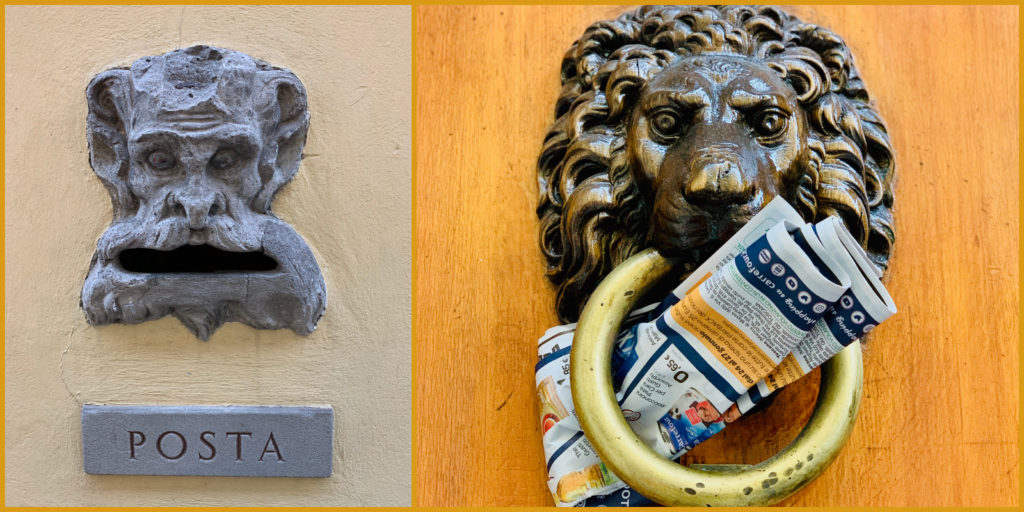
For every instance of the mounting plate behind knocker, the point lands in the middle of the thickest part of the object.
(667, 482)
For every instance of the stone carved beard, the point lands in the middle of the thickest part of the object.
(154, 228)
(192, 146)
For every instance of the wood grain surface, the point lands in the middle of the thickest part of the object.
(939, 421)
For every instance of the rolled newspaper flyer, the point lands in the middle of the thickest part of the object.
(861, 308)
(567, 451)
(866, 304)
(731, 331)
(576, 475)
(574, 469)
(691, 421)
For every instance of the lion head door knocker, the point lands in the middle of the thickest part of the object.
(192, 146)
(675, 125)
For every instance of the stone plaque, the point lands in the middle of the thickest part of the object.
(207, 440)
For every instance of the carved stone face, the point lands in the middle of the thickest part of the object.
(192, 146)
(712, 140)
(198, 180)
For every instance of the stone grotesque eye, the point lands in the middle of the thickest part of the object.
(770, 122)
(224, 159)
(666, 123)
(160, 159)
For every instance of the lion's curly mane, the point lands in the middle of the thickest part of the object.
(592, 213)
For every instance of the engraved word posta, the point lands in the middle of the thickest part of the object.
(173, 445)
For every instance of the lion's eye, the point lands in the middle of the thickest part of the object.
(224, 159)
(770, 123)
(666, 123)
(160, 159)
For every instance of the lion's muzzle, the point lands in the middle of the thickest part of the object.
(716, 180)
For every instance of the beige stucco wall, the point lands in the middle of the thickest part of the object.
(350, 201)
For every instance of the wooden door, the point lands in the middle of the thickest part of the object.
(938, 424)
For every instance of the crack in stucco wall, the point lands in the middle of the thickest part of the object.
(60, 368)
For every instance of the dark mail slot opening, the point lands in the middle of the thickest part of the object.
(194, 259)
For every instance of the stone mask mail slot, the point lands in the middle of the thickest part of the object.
(192, 146)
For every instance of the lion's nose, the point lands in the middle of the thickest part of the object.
(717, 184)
(197, 204)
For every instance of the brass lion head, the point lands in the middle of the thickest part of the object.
(675, 125)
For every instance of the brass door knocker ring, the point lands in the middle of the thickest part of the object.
(667, 482)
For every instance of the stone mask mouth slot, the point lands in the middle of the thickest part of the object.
(199, 259)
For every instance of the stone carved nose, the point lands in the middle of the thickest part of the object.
(197, 203)
(717, 183)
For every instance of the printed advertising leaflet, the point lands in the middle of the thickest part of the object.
(858, 311)
(593, 477)
(566, 449)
